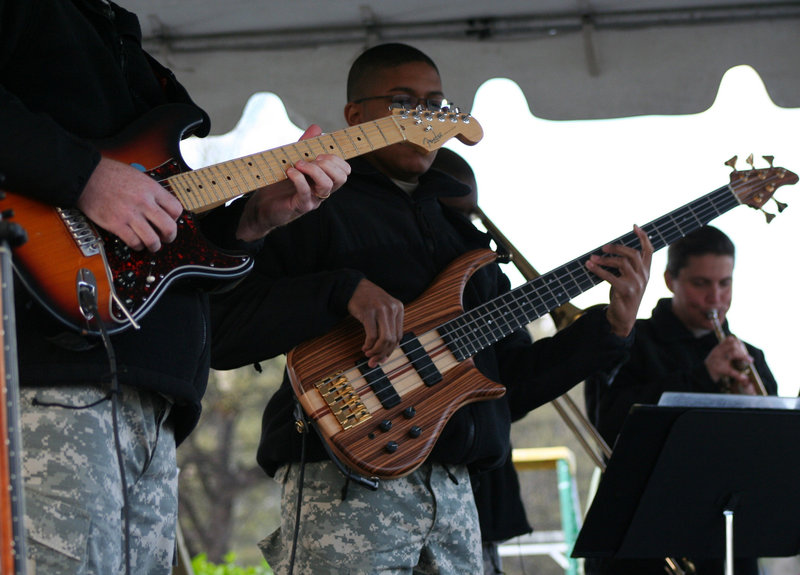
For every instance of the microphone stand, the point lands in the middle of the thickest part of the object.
(12, 507)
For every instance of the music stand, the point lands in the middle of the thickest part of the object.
(677, 466)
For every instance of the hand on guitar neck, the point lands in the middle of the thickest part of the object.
(628, 276)
(142, 213)
(309, 183)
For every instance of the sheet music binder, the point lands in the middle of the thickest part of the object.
(676, 466)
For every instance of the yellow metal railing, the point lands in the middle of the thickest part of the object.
(562, 461)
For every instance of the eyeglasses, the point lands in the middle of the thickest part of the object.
(408, 102)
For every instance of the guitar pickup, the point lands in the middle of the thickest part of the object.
(343, 401)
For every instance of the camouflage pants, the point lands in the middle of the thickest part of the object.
(73, 488)
(423, 523)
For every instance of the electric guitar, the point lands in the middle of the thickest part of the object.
(382, 422)
(67, 254)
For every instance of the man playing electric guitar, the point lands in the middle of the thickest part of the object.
(99, 429)
(375, 246)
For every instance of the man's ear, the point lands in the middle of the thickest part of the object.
(668, 279)
(352, 114)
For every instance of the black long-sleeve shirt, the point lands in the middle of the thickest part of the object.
(665, 356)
(73, 72)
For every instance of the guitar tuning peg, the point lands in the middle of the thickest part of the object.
(781, 206)
(749, 161)
(768, 215)
(732, 163)
(769, 159)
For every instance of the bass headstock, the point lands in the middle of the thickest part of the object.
(430, 129)
(755, 187)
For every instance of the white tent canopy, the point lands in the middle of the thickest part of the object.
(576, 59)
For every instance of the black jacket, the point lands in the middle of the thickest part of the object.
(370, 228)
(665, 357)
(72, 73)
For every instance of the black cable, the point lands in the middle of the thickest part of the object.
(302, 426)
(88, 302)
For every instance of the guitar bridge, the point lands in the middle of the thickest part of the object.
(344, 402)
(78, 225)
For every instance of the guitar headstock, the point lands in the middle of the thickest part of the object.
(430, 129)
(755, 187)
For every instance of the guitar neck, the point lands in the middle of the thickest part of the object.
(489, 323)
(206, 188)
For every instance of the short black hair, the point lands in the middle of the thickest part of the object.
(378, 57)
(706, 240)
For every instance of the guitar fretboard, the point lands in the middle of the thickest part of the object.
(205, 188)
(484, 325)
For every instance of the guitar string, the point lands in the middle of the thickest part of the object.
(703, 211)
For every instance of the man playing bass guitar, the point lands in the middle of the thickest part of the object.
(370, 250)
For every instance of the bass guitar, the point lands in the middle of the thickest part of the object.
(66, 251)
(382, 422)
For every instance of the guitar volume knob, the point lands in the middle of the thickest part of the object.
(127, 279)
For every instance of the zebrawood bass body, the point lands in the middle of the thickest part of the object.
(360, 435)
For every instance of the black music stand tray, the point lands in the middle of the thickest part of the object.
(677, 466)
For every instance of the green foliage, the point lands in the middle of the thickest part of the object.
(202, 566)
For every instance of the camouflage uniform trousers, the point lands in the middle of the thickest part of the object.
(425, 522)
(72, 484)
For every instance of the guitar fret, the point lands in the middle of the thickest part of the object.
(198, 184)
(184, 183)
(311, 156)
(347, 132)
(477, 333)
(378, 128)
(268, 164)
(220, 180)
(294, 148)
(365, 137)
(331, 149)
